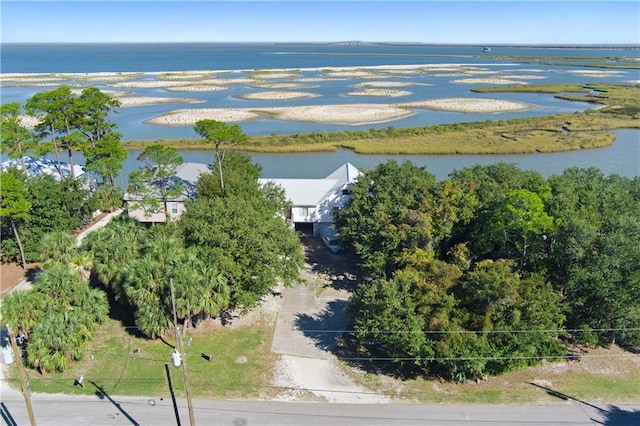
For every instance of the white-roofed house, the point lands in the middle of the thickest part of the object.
(42, 166)
(315, 201)
(187, 175)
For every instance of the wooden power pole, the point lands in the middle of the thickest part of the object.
(23, 377)
(179, 347)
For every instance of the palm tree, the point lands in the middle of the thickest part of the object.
(57, 247)
(82, 264)
(153, 320)
(23, 309)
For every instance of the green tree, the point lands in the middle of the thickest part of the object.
(94, 108)
(103, 152)
(55, 206)
(56, 110)
(516, 227)
(240, 232)
(113, 247)
(59, 315)
(387, 321)
(595, 255)
(252, 247)
(223, 137)
(156, 182)
(14, 205)
(106, 157)
(380, 200)
(500, 322)
(14, 136)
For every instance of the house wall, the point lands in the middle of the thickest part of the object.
(320, 216)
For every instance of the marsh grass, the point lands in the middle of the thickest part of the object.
(619, 107)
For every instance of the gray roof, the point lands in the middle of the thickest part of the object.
(187, 175)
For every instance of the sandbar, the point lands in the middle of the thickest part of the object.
(487, 81)
(279, 95)
(389, 84)
(135, 101)
(471, 105)
(393, 93)
(351, 114)
(187, 117)
(196, 88)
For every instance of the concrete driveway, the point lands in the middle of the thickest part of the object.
(309, 325)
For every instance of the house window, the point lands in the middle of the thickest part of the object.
(174, 208)
(304, 211)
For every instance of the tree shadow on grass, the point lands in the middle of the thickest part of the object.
(117, 311)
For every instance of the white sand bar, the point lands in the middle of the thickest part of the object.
(189, 117)
(277, 95)
(471, 105)
(135, 101)
(389, 84)
(196, 88)
(487, 81)
(352, 114)
(379, 92)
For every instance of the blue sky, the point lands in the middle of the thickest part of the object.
(477, 22)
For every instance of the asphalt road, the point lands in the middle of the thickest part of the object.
(95, 410)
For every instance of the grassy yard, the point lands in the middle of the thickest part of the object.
(242, 367)
(600, 376)
(120, 363)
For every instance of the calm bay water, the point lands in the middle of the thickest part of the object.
(621, 158)
(149, 57)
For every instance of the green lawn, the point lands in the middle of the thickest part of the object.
(242, 367)
(123, 364)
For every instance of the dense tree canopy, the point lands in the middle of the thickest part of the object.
(239, 230)
(139, 265)
(61, 313)
(494, 268)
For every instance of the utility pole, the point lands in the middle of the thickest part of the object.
(23, 377)
(187, 389)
